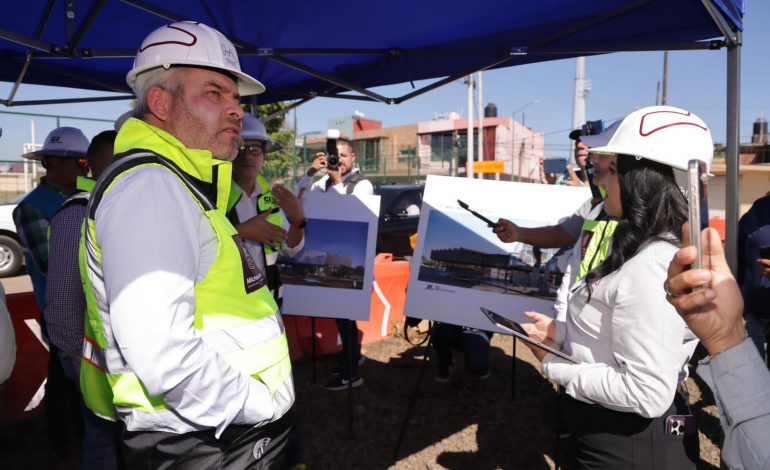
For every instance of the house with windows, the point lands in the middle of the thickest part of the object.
(438, 147)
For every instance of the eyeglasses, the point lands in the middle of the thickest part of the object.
(83, 163)
(255, 150)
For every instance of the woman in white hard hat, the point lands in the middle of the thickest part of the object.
(625, 404)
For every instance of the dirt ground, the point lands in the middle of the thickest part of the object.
(463, 424)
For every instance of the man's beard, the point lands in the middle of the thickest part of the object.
(194, 131)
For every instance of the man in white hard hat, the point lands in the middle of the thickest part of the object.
(254, 207)
(183, 342)
(64, 157)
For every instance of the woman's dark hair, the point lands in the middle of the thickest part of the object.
(653, 209)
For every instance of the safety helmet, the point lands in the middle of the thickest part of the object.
(62, 142)
(123, 118)
(193, 44)
(664, 134)
(254, 129)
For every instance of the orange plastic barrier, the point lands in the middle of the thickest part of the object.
(388, 298)
(23, 392)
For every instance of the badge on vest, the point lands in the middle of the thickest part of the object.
(253, 279)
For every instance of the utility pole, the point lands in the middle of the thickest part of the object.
(582, 87)
(578, 101)
(481, 123)
(664, 96)
(469, 140)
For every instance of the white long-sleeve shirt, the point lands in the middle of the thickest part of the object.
(246, 208)
(156, 244)
(362, 188)
(632, 345)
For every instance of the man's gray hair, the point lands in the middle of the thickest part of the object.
(167, 79)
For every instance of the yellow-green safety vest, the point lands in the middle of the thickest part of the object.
(234, 319)
(597, 248)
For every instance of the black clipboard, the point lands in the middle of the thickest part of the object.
(516, 330)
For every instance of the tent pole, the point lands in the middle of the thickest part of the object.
(733, 143)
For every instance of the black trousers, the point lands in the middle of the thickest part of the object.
(605, 439)
(239, 447)
(351, 347)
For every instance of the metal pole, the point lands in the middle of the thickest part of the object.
(469, 158)
(733, 150)
(304, 155)
(664, 96)
(481, 123)
(513, 146)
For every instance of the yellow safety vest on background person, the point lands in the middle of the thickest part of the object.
(597, 248)
(235, 320)
(265, 202)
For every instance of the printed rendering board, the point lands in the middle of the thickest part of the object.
(332, 275)
(460, 265)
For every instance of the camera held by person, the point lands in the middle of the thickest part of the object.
(332, 157)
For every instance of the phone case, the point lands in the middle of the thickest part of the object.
(678, 426)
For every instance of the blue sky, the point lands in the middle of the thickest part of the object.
(337, 238)
(621, 82)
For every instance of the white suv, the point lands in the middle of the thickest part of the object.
(11, 254)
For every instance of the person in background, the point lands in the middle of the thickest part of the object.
(345, 179)
(734, 371)
(473, 343)
(253, 207)
(631, 346)
(183, 341)
(587, 232)
(66, 304)
(753, 262)
(64, 158)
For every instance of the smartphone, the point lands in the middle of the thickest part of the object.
(764, 251)
(678, 426)
(516, 330)
(697, 186)
(465, 206)
(555, 165)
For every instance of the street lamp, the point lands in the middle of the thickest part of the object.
(513, 138)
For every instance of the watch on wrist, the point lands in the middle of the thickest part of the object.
(301, 223)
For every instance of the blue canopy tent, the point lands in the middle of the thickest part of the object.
(341, 49)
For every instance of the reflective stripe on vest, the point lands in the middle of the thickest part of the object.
(598, 245)
(243, 327)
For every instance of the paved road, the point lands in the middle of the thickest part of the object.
(16, 284)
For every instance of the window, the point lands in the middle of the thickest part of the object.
(368, 152)
(441, 147)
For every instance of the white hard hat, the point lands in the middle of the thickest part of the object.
(664, 134)
(193, 44)
(62, 142)
(254, 129)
